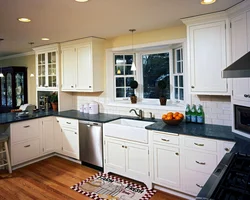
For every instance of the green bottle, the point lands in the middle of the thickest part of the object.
(200, 115)
(188, 113)
(193, 114)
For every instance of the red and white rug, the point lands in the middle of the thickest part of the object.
(107, 187)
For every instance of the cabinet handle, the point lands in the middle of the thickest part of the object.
(199, 185)
(75, 132)
(72, 86)
(27, 146)
(227, 149)
(26, 126)
(57, 121)
(200, 145)
(126, 147)
(177, 154)
(122, 146)
(192, 86)
(68, 122)
(165, 140)
(89, 86)
(200, 163)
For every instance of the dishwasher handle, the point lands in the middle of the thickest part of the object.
(90, 124)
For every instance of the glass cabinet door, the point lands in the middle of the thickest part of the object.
(3, 92)
(19, 88)
(9, 89)
(52, 69)
(41, 70)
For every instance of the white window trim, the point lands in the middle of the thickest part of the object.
(110, 78)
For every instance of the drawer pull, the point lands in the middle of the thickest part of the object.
(200, 163)
(199, 185)
(177, 154)
(200, 145)
(122, 146)
(165, 140)
(26, 126)
(227, 149)
(27, 146)
(68, 122)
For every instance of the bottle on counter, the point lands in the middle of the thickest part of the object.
(193, 114)
(200, 115)
(188, 113)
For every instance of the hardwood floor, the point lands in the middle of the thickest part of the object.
(51, 179)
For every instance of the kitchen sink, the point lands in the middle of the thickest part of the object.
(128, 129)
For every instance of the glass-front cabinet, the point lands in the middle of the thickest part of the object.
(47, 67)
(13, 88)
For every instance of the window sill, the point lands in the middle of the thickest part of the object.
(144, 105)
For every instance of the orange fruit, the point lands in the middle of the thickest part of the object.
(177, 118)
(174, 115)
(169, 117)
(170, 113)
(181, 115)
(163, 116)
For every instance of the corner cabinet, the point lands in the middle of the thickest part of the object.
(13, 89)
(207, 55)
(47, 67)
(82, 65)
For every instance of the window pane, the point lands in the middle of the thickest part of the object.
(119, 82)
(179, 67)
(119, 70)
(178, 52)
(155, 68)
(181, 81)
(119, 59)
(176, 81)
(129, 59)
(129, 92)
(128, 80)
(181, 94)
(119, 92)
(176, 93)
(128, 71)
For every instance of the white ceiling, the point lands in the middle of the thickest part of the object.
(62, 20)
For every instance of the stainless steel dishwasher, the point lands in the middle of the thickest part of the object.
(91, 143)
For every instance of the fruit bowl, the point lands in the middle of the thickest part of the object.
(172, 122)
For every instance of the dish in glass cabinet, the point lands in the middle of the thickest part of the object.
(18, 90)
(18, 102)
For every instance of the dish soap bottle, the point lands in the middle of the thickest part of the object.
(200, 115)
(193, 114)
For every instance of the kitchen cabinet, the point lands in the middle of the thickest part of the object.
(13, 88)
(47, 67)
(240, 33)
(207, 55)
(58, 136)
(82, 65)
(47, 134)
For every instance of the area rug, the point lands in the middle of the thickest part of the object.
(108, 187)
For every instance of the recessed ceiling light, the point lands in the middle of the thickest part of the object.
(45, 39)
(23, 19)
(207, 2)
(81, 1)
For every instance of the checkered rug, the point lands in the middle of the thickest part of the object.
(107, 187)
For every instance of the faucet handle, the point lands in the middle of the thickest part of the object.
(151, 115)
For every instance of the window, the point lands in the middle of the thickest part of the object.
(178, 74)
(123, 75)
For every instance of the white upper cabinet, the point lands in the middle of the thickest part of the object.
(207, 54)
(83, 65)
(47, 65)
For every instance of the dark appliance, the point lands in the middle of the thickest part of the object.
(242, 118)
(230, 180)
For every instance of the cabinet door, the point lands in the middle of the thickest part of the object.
(208, 58)
(84, 68)
(47, 134)
(137, 160)
(58, 135)
(166, 166)
(41, 70)
(69, 64)
(115, 155)
(70, 143)
(239, 48)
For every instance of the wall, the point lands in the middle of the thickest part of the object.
(29, 62)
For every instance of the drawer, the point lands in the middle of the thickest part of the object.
(200, 143)
(22, 131)
(201, 162)
(67, 122)
(193, 181)
(25, 151)
(166, 138)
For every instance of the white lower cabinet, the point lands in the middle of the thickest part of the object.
(58, 136)
(70, 143)
(46, 128)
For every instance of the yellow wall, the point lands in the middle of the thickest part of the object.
(27, 61)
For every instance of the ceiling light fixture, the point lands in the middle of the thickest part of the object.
(207, 2)
(24, 19)
(133, 68)
(81, 1)
(45, 39)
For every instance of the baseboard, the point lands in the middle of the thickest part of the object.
(173, 192)
(68, 158)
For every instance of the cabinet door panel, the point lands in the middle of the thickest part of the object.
(48, 135)
(208, 58)
(70, 143)
(69, 64)
(58, 135)
(167, 166)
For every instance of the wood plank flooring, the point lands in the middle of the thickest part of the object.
(51, 179)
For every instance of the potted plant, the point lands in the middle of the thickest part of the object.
(133, 85)
(162, 86)
(54, 101)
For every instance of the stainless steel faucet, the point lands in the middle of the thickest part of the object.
(139, 115)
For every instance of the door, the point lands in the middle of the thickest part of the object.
(58, 136)
(84, 68)
(239, 48)
(47, 135)
(115, 155)
(208, 58)
(52, 69)
(166, 166)
(70, 143)
(137, 160)
(69, 65)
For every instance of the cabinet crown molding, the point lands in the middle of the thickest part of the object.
(46, 48)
